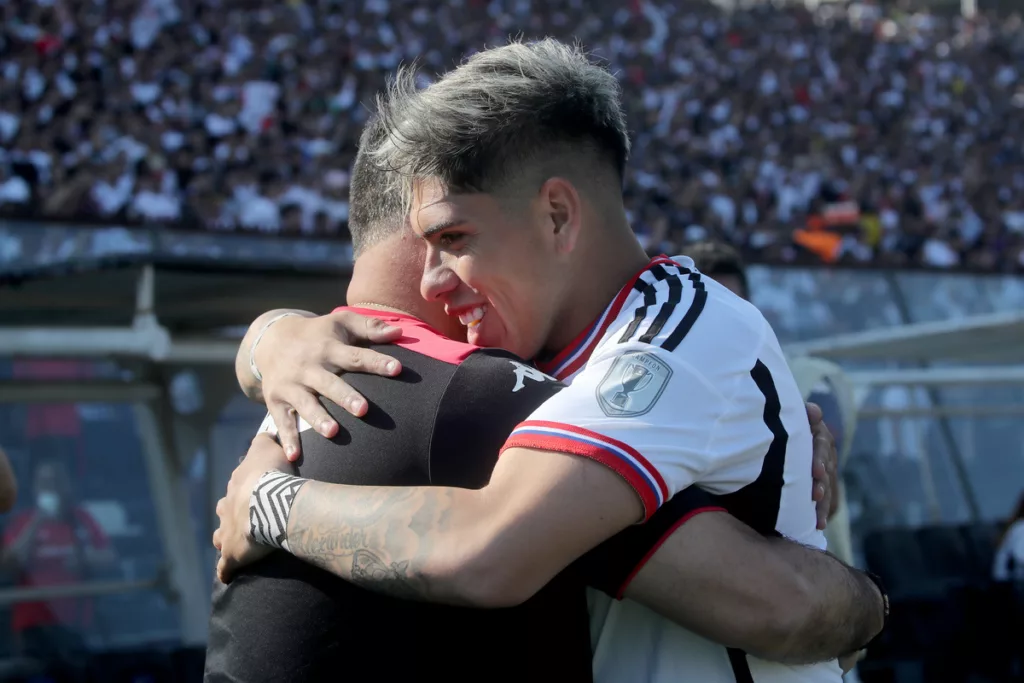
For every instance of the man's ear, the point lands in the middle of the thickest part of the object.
(563, 210)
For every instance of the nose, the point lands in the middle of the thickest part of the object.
(438, 280)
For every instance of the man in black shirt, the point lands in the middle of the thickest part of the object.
(285, 620)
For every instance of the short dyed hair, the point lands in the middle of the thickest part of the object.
(376, 210)
(511, 113)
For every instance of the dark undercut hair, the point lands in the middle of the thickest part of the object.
(716, 259)
(523, 112)
(376, 208)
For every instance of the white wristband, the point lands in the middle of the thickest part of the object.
(256, 342)
(270, 504)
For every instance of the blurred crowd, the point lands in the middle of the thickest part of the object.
(842, 133)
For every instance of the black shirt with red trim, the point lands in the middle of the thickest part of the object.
(441, 423)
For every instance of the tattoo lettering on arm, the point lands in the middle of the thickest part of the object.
(343, 530)
(491, 547)
(370, 571)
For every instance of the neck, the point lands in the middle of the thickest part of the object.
(369, 289)
(380, 280)
(613, 257)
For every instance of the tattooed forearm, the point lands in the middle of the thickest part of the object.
(373, 573)
(396, 541)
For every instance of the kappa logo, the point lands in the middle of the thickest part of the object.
(269, 427)
(525, 372)
(633, 384)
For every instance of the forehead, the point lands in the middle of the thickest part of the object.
(433, 208)
(428, 195)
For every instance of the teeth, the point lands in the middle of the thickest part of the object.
(472, 318)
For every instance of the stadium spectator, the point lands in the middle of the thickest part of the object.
(841, 134)
(53, 430)
(54, 543)
(723, 264)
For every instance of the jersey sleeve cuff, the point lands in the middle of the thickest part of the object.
(612, 566)
(616, 455)
(624, 584)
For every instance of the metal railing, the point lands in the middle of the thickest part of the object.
(88, 589)
(29, 247)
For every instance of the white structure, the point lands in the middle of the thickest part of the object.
(983, 349)
(154, 354)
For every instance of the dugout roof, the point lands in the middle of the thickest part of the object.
(988, 338)
(56, 275)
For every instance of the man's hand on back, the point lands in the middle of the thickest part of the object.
(824, 467)
(300, 359)
(232, 538)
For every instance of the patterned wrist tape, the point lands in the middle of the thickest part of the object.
(269, 506)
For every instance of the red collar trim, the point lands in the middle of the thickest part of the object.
(579, 350)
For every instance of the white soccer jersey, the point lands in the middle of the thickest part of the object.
(680, 382)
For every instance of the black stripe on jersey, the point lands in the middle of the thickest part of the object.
(757, 504)
(650, 298)
(740, 666)
(700, 297)
(675, 295)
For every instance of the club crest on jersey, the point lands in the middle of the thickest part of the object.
(525, 372)
(633, 384)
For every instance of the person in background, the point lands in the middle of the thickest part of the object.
(8, 484)
(1009, 561)
(53, 430)
(723, 264)
(1008, 593)
(55, 543)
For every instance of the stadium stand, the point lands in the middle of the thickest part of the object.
(844, 134)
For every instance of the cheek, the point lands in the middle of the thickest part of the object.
(466, 269)
(527, 303)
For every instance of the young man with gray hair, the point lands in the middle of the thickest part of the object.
(514, 164)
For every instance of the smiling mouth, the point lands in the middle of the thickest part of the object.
(473, 317)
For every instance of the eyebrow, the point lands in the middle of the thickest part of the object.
(441, 227)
